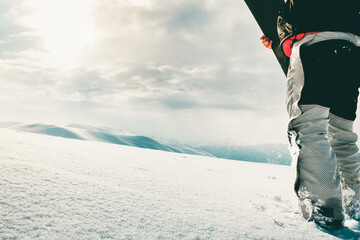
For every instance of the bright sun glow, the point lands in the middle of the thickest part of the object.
(65, 26)
(140, 2)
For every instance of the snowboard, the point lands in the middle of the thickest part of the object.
(266, 13)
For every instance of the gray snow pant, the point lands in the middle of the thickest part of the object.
(322, 85)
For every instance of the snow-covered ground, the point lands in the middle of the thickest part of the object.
(57, 188)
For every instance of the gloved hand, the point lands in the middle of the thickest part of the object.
(266, 42)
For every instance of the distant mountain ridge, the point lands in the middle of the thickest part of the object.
(80, 132)
(266, 153)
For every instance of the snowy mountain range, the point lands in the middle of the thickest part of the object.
(61, 188)
(268, 153)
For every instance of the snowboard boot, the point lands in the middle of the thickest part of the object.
(318, 179)
(343, 141)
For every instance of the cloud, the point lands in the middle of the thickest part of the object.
(12, 35)
(153, 61)
(188, 17)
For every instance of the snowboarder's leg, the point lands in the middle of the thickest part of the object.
(343, 80)
(343, 141)
(312, 84)
(318, 181)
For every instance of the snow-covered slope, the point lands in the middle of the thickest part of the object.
(76, 131)
(58, 188)
(266, 153)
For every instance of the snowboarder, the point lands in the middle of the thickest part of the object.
(322, 40)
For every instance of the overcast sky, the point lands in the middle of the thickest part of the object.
(189, 70)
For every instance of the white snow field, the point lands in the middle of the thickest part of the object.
(57, 188)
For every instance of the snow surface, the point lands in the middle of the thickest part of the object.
(57, 188)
